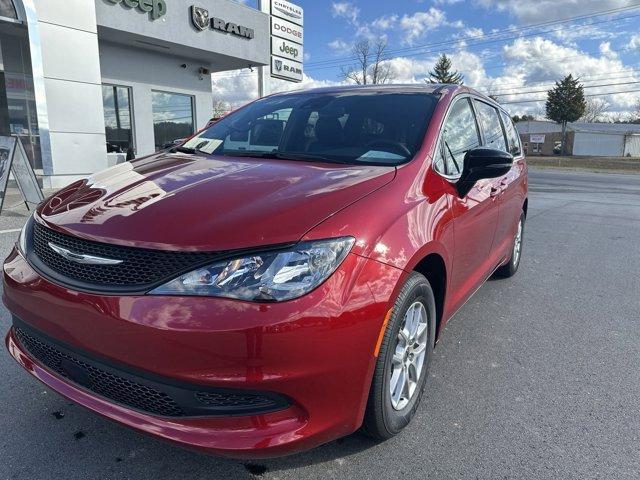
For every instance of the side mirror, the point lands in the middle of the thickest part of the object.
(482, 163)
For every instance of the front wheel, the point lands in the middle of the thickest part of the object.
(403, 361)
(510, 269)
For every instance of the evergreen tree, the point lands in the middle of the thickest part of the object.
(566, 103)
(442, 72)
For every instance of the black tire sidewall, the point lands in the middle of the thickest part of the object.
(418, 290)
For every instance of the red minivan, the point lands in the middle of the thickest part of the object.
(280, 279)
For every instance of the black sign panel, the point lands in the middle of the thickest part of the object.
(13, 158)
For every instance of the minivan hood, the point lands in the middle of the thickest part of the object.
(194, 202)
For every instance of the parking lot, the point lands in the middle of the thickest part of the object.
(537, 376)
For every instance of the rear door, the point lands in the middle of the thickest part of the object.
(476, 214)
(512, 194)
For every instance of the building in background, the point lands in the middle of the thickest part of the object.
(586, 139)
(80, 77)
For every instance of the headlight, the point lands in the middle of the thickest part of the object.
(22, 239)
(274, 276)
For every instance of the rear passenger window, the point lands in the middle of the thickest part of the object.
(459, 135)
(490, 124)
(512, 135)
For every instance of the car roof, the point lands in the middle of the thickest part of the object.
(429, 88)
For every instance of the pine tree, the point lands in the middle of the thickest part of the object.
(566, 103)
(442, 72)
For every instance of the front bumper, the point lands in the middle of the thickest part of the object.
(316, 352)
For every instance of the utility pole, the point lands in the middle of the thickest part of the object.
(263, 72)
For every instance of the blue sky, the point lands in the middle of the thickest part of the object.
(495, 44)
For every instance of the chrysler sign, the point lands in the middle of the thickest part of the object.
(288, 11)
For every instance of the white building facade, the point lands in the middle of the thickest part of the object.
(81, 78)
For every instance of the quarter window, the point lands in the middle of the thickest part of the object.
(490, 124)
(513, 138)
(459, 135)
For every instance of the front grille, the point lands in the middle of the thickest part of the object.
(142, 392)
(140, 267)
(215, 399)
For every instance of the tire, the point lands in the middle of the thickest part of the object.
(382, 419)
(510, 268)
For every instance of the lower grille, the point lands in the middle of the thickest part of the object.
(140, 393)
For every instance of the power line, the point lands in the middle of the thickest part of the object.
(490, 67)
(587, 95)
(585, 87)
(497, 34)
(463, 40)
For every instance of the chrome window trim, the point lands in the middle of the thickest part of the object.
(457, 98)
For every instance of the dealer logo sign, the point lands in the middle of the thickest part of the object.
(200, 17)
(202, 21)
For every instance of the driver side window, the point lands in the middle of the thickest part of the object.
(459, 135)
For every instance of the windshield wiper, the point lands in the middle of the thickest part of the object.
(183, 149)
(283, 156)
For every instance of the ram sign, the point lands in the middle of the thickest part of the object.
(286, 69)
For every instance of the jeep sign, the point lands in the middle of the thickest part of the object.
(283, 48)
(287, 30)
(286, 69)
(155, 8)
(287, 11)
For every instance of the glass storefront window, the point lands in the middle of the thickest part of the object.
(18, 113)
(172, 117)
(117, 119)
(7, 9)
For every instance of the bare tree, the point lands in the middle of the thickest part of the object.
(636, 113)
(370, 67)
(596, 107)
(220, 108)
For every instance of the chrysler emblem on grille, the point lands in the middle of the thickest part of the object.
(83, 258)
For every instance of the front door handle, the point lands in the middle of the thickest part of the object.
(495, 191)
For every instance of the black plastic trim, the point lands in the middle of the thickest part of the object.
(185, 395)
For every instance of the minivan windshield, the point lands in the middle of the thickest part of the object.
(353, 127)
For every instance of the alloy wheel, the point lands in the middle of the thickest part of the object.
(409, 355)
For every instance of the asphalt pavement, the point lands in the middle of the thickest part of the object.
(538, 376)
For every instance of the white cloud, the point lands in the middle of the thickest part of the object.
(447, 2)
(605, 51)
(544, 10)
(346, 10)
(634, 42)
(241, 87)
(385, 22)
(338, 45)
(531, 64)
(417, 25)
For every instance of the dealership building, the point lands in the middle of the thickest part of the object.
(583, 139)
(81, 78)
